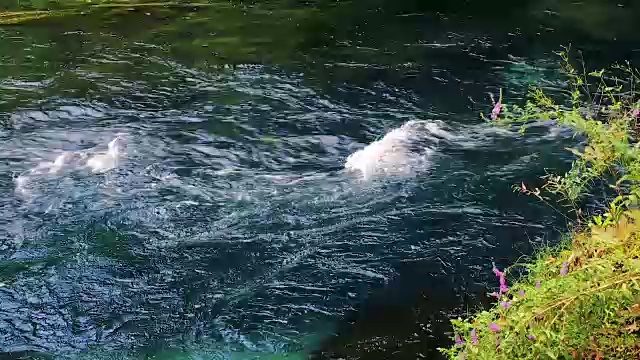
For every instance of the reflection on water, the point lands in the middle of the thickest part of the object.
(175, 182)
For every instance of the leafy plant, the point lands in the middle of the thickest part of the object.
(580, 300)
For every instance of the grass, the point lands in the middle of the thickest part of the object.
(16, 17)
(580, 300)
(26, 12)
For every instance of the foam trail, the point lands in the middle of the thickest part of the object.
(402, 151)
(51, 167)
(104, 162)
(23, 181)
(35, 179)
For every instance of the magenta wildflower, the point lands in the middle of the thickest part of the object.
(497, 109)
(538, 284)
(503, 280)
(521, 293)
(494, 294)
(496, 271)
(459, 340)
(505, 304)
(564, 270)
(494, 327)
(503, 284)
(531, 337)
(474, 337)
(635, 113)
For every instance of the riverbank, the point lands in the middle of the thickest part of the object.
(580, 300)
(21, 13)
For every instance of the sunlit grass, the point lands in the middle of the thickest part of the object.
(16, 17)
(29, 12)
(580, 300)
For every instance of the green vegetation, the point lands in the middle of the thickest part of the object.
(23, 11)
(580, 300)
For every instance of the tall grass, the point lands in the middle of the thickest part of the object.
(580, 300)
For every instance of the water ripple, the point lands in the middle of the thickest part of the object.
(227, 218)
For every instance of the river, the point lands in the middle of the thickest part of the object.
(174, 184)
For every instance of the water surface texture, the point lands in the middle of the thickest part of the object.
(177, 183)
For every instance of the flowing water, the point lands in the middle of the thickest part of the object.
(265, 181)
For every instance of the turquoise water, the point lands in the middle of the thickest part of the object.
(221, 223)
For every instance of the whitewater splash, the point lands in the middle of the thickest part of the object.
(101, 163)
(402, 151)
(93, 160)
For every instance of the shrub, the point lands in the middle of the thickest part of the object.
(580, 300)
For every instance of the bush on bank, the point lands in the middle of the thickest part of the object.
(580, 300)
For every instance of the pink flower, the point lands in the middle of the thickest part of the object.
(494, 327)
(494, 294)
(538, 284)
(635, 113)
(497, 109)
(531, 337)
(496, 271)
(505, 304)
(459, 340)
(564, 270)
(503, 284)
(521, 293)
(474, 337)
(504, 289)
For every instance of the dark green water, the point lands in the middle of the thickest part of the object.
(229, 228)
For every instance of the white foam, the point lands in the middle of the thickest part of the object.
(101, 163)
(50, 167)
(408, 149)
(22, 185)
(30, 181)
(402, 151)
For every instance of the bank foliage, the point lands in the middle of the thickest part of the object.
(580, 300)
(22, 11)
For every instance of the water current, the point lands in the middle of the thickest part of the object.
(262, 181)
